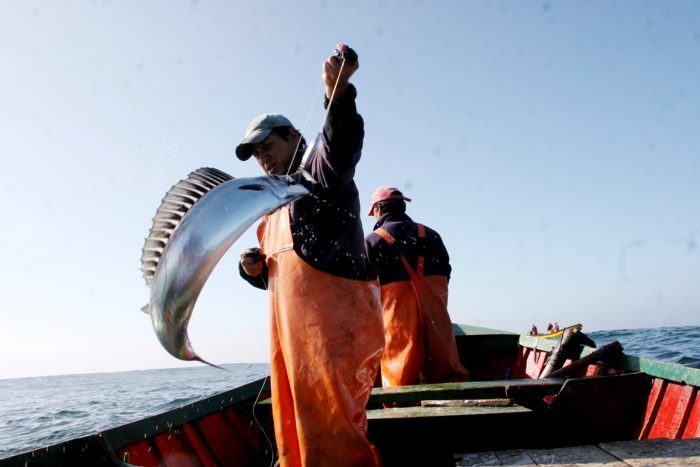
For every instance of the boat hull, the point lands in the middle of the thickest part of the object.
(505, 406)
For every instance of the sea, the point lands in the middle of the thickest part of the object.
(40, 411)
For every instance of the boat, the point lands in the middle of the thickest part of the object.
(560, 332)
(600, 398)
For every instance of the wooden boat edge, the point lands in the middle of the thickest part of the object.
(110, 441)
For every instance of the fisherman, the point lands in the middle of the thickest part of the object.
(414, 269)
(533, 330)
(555, 327)
(326, 335)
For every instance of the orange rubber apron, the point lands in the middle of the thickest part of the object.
(326, 341)
(417, 327)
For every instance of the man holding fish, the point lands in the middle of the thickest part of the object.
(326, 332)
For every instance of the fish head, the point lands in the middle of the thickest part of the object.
(284, 187)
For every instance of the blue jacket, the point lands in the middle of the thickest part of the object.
(385, 257)
(326, 226)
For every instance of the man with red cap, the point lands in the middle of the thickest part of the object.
(326, 336)
(414, 270)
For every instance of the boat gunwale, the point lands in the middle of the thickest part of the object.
(124, 435)
(675, 372)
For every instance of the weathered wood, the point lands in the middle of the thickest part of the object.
(598, 408)
(654, 452)
(510, 457)
(671, 371)
(469, 403)
(575, 455)
(466, 390)
(430, 412)
(477, 458)
(431, 435)
(514, 457)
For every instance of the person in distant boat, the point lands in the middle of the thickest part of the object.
(414, 269)
(549, 328)
(533, 330)
(555, 327)
(326, 334)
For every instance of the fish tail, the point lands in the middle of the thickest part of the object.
(198, 358)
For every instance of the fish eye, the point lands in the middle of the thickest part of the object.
(252, 187)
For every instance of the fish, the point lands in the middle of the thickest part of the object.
(198, 220)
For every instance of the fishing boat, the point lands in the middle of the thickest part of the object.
(602, 399)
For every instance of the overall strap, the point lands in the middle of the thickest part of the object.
(385, 235)
(421, 259)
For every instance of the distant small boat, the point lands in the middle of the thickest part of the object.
(559, 333)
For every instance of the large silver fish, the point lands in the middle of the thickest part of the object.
(198, 221)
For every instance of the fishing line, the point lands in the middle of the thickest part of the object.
(305, 126)
(257, 398)
(340, 56)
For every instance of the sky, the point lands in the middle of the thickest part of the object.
(555, 146)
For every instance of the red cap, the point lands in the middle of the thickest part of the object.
(383, 193)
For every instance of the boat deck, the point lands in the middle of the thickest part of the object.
(651, 452)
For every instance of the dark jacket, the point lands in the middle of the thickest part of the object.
(385, 257)
(326, 225)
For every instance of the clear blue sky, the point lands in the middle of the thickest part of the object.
(554, 145)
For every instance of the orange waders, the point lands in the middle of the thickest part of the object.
(417, 328)
(326, 341)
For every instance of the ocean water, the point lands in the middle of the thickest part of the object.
(670, 344)
(36, 412)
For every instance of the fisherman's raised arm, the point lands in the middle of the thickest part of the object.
(343, 129)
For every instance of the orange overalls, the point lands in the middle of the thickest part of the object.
(417, 327)
(326, 341)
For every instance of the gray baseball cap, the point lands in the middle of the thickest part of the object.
(259, 129)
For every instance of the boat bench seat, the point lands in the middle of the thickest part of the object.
(459, 411)
(421, 435)
(479, 390)
(426, 424)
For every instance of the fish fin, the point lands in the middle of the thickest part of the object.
(146, 308)
(176, 203)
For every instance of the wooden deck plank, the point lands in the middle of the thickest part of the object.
(591, 456)
(477, 458)
(465, 390)
(635, 453)
(430, 412)
(577, 455)
(514, 457)
(654, 452)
